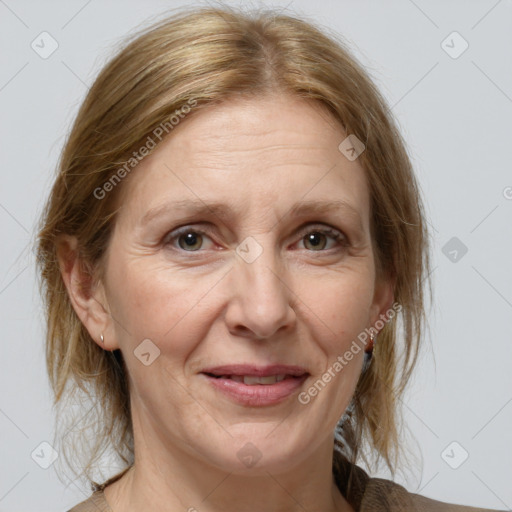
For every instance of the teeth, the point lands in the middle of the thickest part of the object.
(250, 380)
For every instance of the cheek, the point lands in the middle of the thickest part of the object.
(151, 302)
(339, 304)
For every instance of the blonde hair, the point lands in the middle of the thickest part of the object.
(205, 56)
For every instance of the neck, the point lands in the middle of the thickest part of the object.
(167, 480)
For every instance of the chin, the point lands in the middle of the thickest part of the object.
(258, 455)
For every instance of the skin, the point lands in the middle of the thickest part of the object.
(296, 303)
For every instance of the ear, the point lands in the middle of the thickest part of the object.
(383, 298)
(87, 298)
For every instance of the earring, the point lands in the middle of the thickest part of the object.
(102, 339)
(373, 339)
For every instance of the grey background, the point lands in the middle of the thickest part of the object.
(455, 115)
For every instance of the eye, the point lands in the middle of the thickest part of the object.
(190, 240)
(317, 238)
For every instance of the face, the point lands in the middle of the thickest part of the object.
(243, 239)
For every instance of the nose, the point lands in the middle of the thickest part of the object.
(260, 300)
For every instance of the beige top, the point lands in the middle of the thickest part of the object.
(364, 494)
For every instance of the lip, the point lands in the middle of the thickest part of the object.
(257, 395)
(256, 371)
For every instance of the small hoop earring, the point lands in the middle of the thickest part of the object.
(102, 339)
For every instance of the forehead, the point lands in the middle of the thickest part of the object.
(250, 152)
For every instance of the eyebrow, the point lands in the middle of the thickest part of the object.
(196, 207)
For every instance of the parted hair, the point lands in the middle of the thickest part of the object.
(202, 56)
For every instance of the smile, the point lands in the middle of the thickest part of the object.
(250, 380)
(256, 391)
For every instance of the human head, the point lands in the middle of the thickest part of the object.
(160, 73)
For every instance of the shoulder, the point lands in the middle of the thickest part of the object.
(95, 503)
(367, 494)
(380, 494)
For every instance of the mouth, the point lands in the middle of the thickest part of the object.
(256, 385)
(252, 374)
(251, 380)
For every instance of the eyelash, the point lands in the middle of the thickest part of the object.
(336, 235)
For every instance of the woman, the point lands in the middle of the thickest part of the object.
(234, 224)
